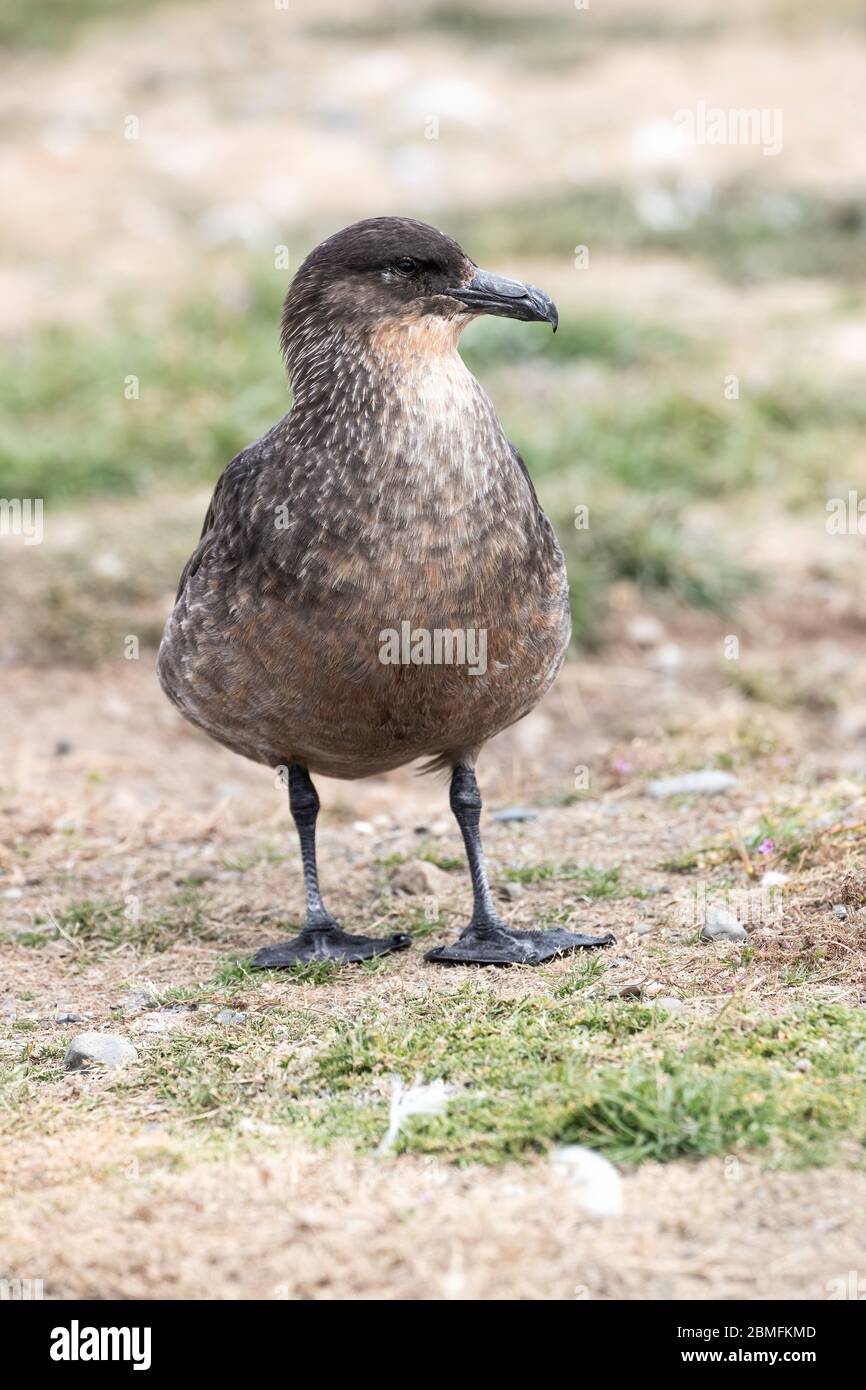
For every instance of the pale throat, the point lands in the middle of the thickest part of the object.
(398, 398)
(436, 413)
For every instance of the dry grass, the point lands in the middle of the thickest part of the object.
(100, 1217)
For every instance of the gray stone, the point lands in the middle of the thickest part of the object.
(107, 1048)
(514, 813)
(720, 925)
(137, 999)
(670, 1004)
(510, 892)
(841, 911)
(160, 1023)
(421, 879)
(708, 782)
(71, 1017)
(231, 1016)
(595, 1183)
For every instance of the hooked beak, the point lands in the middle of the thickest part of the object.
(510, 299)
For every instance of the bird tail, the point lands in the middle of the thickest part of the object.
(448, 760)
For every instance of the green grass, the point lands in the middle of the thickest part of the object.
(594, 882)
(527, 1073)
(745, 233)
(97, 926)
(534, 34)
(210, 381)
(54, 24)
(651, 437)
(610, 339)
(266, 853)
(651, 545)
(234, 973)
(420, 924)
(622, 1078)
(640, 1089)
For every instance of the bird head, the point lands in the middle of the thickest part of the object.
(388, 273)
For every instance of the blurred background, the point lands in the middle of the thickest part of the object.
(162, 164)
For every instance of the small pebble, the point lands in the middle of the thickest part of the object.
(231, 1016)
(596, 1184)
(71, 1017)
(421, 878)
(670, 1004)
(629, 989)
(841, 911)
(642, 928)
(362, 827)
(510, 892)
(160, 1023)
(137, 999)
(773, 879)
(107, 1048)
(514, 813)
(720, 925)
(707, 782)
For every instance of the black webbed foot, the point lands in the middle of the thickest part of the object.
(495, 943)
(326, 943)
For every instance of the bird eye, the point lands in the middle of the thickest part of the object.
(406, 265)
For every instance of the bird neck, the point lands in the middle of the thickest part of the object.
(397, 391)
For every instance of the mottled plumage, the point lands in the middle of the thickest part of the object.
(388, 494)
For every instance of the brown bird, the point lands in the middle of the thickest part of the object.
(376, 581)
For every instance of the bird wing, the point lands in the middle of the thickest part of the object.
(232, 481)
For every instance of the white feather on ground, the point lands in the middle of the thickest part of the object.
(417, 1099)
(596, 1183)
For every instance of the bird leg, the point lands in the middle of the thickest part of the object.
(321, 937)
(488, 940)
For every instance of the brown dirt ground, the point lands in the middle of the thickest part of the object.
(140, 801)
(112, 1220)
